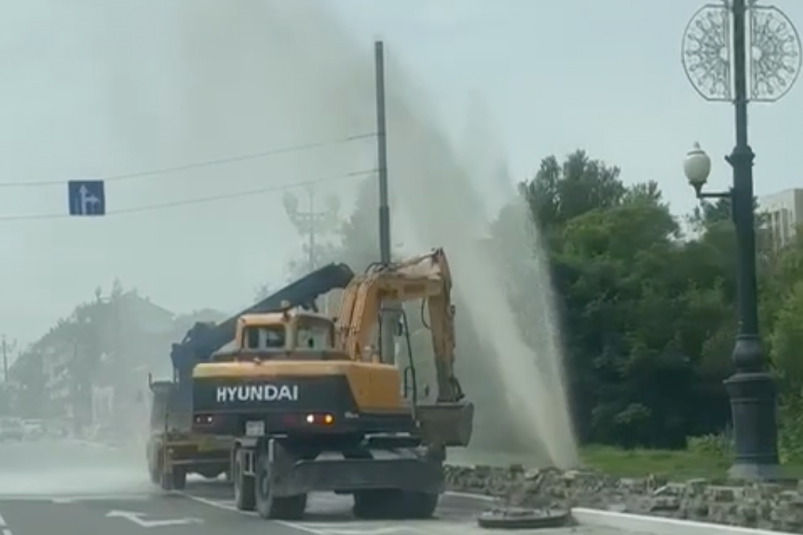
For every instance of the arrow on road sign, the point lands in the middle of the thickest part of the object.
(137, 518)
(86, 197)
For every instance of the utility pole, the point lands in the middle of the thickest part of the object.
(313, 223)
(389, 311)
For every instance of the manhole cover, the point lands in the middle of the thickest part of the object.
(522, 518)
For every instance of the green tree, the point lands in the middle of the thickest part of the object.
(644, 310)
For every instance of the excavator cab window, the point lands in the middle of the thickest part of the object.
(314, 336)
(266, 337)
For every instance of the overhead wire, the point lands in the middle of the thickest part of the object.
(190, 166)
(197, 200)
(196, 165)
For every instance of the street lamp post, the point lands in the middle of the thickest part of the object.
(738, 51)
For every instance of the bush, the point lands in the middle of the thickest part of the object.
(790, 428)
(719, 446)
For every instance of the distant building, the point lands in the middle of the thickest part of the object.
(55, 369)
(784, 213)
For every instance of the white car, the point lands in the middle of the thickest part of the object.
(34, 428)
(11, 429)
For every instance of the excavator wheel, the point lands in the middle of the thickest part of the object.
(273, 507)
(244, 498)
(394, 504)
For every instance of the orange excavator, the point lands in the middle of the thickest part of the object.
(312, 407)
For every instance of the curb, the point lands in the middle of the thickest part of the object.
(655, 525)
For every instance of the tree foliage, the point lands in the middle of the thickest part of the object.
(647, 310)
(646, 305)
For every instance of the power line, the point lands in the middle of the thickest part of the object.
(199, 200)
(196, 165)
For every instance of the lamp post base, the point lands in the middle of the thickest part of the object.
(757, 472)
(753, 401)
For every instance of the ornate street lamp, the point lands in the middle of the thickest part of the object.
(737, 51)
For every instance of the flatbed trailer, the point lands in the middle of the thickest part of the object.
(172, 457)
(173, 450)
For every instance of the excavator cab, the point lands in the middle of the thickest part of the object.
(288, 334)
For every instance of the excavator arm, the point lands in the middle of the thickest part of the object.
(425, 277)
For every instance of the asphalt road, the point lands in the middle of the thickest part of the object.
(74, 488)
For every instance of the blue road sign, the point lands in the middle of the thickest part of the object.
(87, 197)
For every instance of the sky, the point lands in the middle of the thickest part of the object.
(114, 88)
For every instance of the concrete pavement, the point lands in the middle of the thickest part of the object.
(74, 488)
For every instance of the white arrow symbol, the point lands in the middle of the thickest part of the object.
(137, 518)
(87, 199)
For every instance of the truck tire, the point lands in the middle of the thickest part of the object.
(177, 480)
(273, 507)
(155, 470)
(244, 498)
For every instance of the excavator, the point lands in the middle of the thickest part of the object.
(173, 450)
(312, 407)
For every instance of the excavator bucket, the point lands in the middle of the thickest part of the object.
(446, 424)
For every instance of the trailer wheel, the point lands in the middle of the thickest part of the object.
(244, 498)
(269, 506)
(179, 478)
(155, 468)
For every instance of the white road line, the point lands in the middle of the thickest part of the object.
(309, 528)
(227, 507)
(2, 522)
(6, 531)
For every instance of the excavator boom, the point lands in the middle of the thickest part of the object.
(424, 277)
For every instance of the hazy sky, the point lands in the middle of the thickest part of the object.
(100, 88)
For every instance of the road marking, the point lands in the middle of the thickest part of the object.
(92, 497)
(69, 498)
(227, 507)
(138, 519)
(4, 526)
(330, 528)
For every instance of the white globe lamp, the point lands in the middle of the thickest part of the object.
(697, 167)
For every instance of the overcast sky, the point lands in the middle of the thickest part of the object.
(101, 88)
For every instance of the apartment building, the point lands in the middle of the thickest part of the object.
(784, 213)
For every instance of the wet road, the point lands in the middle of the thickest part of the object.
(74, 488)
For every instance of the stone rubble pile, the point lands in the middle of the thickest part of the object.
(774, 506)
